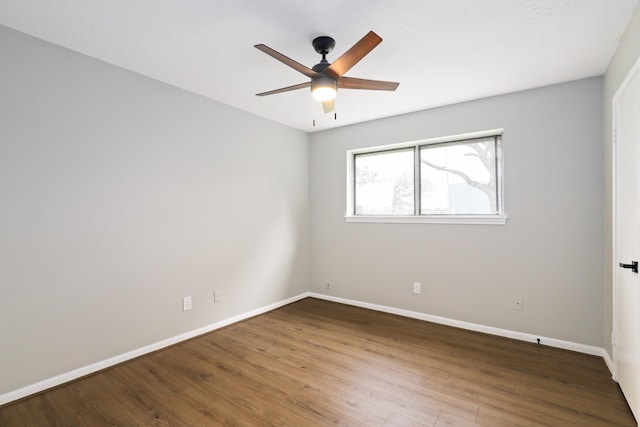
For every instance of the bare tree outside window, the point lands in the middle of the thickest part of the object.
(459, 178)
(384, 183)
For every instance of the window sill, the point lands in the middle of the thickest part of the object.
(431, 219)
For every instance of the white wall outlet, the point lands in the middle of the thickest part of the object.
(186, 304)
(417, 287)
(217, 297)
(517, 303)
(328, 286)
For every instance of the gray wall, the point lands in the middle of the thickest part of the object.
(119, 195)
(549, 252)
(626, 55)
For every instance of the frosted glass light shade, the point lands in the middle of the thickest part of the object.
(323, 88)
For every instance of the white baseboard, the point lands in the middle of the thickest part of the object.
(98, 366)
(609, 361)
(552, 342)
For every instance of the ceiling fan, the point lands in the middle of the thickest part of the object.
(327, 77)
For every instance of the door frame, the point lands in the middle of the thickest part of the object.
(633, 71)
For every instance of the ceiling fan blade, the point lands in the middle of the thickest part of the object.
(353, 55)
(329, 106)
(353, 83)
(285, 89)
(286, 60)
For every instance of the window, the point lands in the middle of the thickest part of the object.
(384, 182)
(453, 179)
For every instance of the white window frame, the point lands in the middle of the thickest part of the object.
(500, 218)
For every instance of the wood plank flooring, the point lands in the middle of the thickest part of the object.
(318, 363)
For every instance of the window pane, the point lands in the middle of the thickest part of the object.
(384, 183)
(459, 178)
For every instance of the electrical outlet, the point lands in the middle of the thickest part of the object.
(417, 287)
(517, 303)
(328, 286)
(217, 297)
(186, 304)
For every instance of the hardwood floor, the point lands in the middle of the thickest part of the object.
(317, 363)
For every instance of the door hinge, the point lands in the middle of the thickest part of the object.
(613, 338)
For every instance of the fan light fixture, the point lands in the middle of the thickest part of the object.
(323, 88)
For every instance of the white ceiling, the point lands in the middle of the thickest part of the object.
(441, 51)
